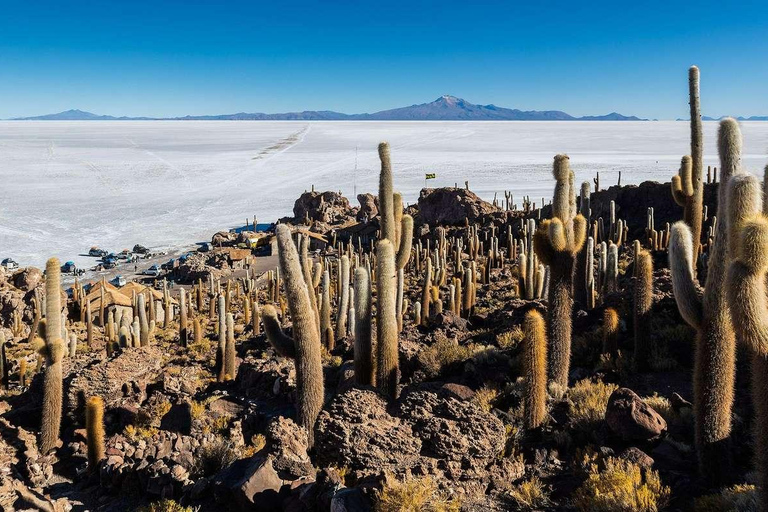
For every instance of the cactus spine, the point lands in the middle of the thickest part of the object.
(535, 369)
(54, 351)
(709, 314)
(557, 242)
(94, 428)
(306, 336)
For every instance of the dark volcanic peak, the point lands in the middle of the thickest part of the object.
(444, 108)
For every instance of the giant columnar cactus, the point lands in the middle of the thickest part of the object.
(311, 280)
(581, 289)
(306, 336)
(610, 331)
(183, 323)
(341, 320)
(386, 322)
(143, 324)
(403, 255)
(557, 242)
(363, 350)
(426, 292)
(535, 369)
(643, 302)
(390, 252)
(54, 351)
(221, 348)
(326, 331)
(229, 351)
(94, 429)
(708, 312)
(746, 288)
(687, 186)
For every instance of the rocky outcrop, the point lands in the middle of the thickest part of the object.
(451, 206)
(631, 418)
(249, 484)
(325, 207)
(356, 431)
(369, 206)
(118, 381)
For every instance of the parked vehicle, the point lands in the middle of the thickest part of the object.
(154, 270)
(96, 252)
(125, 254)
(9, 264)
(168, 265)
(140, 249)
(69, 267)
(119, 281)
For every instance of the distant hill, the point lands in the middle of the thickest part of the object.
(738, 118)
(444, 108)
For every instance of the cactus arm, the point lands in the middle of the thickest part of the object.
(579, 233)
(282, 343)
(677, 191)
(406, 241)
(688, 293)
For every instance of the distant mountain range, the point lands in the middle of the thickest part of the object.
(740, 118)
(444, 108)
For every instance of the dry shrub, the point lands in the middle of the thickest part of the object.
(739, 498)
(164, 506)
(444, 352)
(510, 339)
(622, 486)
(414, 495)
(485, 397)
(587, 401)
(214, 456)
(530, 495)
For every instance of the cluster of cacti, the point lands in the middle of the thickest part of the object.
(557, 241)
(658, 240)
(708, 311)
(54, 352)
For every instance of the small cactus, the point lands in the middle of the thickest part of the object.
(535, 369)
(94, 429)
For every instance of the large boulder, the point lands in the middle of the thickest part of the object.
(249, 484)
(325, 207)
(118, 381)
(28, 278)
(369, 206)
(451, 206)
(287, 443)
(356, 431)
(631, 418)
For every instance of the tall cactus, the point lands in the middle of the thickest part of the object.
(707, 311)
(364, 371)
(535, 369)
(183, 323)
(143, 324)
(642, 313)
(221, 348)
(229, 350)
(746, 285)
(687, 186)
(341, 320)
(54, 351)
(391, 255)
(557, 242)
(306, 336)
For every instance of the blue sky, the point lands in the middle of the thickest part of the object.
(168, 58)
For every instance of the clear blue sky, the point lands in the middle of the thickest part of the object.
(168, 58)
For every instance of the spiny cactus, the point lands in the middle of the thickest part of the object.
(386, 322)
(610, 331)
(364, 371)
(94, 429)
(222, 346)
(709, 314)
(326, 331)
(306, 337)
(535, 369)
(143, 324)
(54, 351)
(341, 320)
(746, 287)
(643, 295)
(229, 351)
(426, 292)
(557, 242)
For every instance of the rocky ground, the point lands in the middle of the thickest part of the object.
(177, 436)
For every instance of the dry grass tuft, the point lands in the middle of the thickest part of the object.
(530, 495)
(739, 498)
(621, 487)
(413, 495)
(587, 401)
